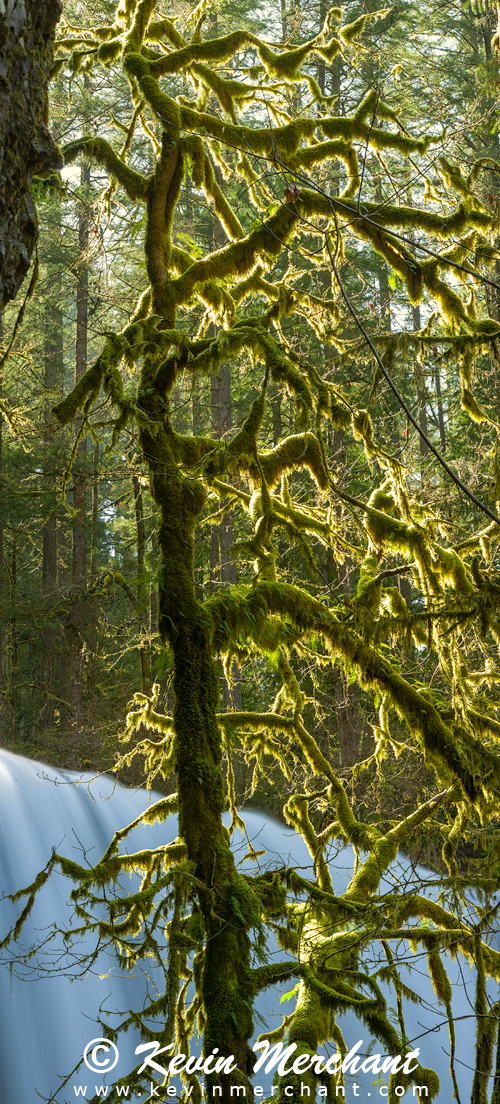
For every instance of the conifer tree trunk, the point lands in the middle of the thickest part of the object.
(94, 604)
(2, 576)
(421, 390)
(346, 698)
(14, 644)
(79, 534)
(142, 586)
(63, 586)
(53, 369)
(26, 43)
(384, 294)
(439, 404)
(276, 416)
(222, 565)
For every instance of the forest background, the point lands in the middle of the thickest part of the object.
(78, 549)
(340, 449)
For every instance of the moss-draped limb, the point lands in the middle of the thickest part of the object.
(376, 672)
(265, 976)
(282, 64)
(139, 24)
(158, 811)
(101, 151)
(366, 880)
(129, 344)
(239, 258)
(162, 197)
(297, 451)
(203, 176)
(374, 217)
(269, 142)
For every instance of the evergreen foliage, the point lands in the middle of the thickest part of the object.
(392, 585)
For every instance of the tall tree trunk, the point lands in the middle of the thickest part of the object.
(14, 644)
(384, 296)
(222, 564)
(2, 577)
(26, 46)
(226, 982)
(53, 371)
(276, 403)
(79, 535)
(346, 697)
(439, 404)
(421, 389)
(284, 29)
(321, 64)
(142, 587)
(94, 604)
(63, 577)
(225, 899)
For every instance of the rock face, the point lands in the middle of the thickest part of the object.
(27, 29)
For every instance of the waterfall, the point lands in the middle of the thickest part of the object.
(48, 1003)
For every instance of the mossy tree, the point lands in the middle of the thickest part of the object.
(281, 267)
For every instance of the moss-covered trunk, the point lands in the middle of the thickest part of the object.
(26, 147)
(227, 904)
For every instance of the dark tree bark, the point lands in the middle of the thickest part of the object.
(142, 586)
(346, 698)
(2, 578)
(27, 30)
(53, 373)
(79, 553)
(94, 604)
(439, 403)
(421, 390)
(14, 642)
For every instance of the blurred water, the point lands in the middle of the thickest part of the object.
(47, 1017)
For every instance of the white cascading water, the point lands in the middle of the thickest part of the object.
(47, 1013)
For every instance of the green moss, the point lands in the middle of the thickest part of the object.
(300, 450)
(133, 182)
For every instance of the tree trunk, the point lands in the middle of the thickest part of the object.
(2, 577)
(14, 646)
(222, 564)
(346, 697)
(421, 390)
(26, 148)
(142, 587)
(79, 550)
(94, 604)
(283, 21)
(53, 371)
(226, 985)
(439, 403)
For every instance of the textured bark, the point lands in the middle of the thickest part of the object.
(439, 403)
(421, 390)
(346, 698)
(14, 642)
(53, 373)
(142, 586)
(2, 580)
(79, 553)
(222, 564)
(94, 604)
(27, 30)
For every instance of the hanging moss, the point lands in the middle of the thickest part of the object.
(196, 478)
